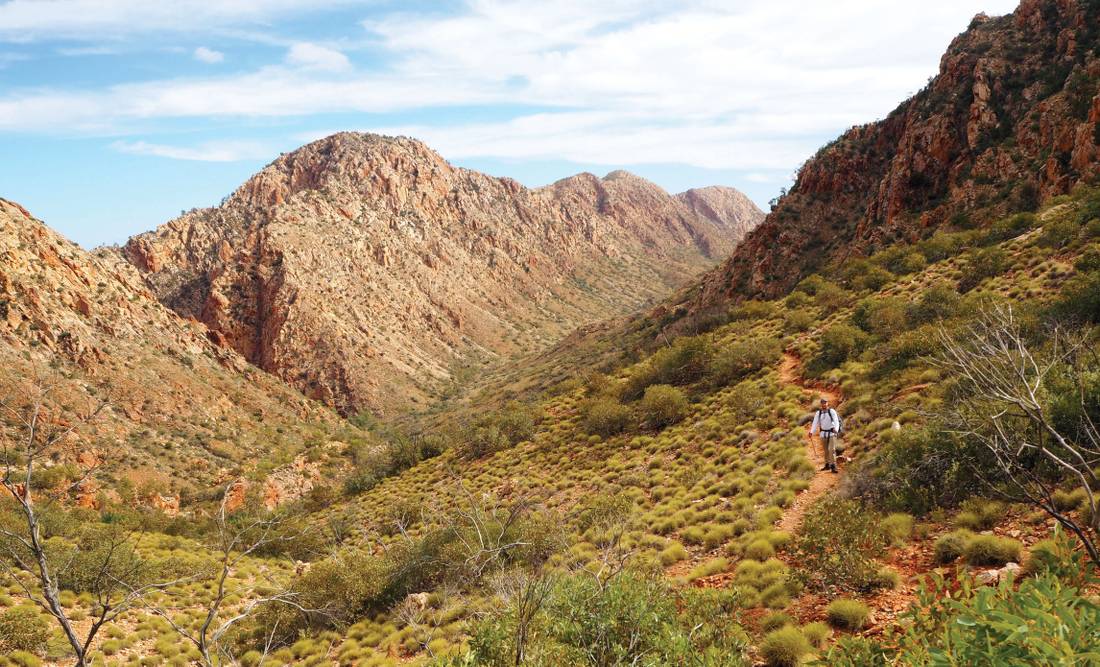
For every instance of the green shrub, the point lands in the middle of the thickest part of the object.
(507, 427)
(24, 659)
(920, 469)
(991, 550)
(734, 362)
(795, 321)
(1079, 298)
(1059, 234)
(847, 614)
(817, 633)
(951, 546)
(110, 646)
(674, 553)
(606, 417)
(1067, 501)
(631, 620)
(901, 350)
(1043, 622)
(935, 303)
(517, 421)
(23, 629)
(899, 526)
(887, 577)
(840, 343)
(1089, 260)
(663, 405)
(910, 262)
(640, 377)
(1043, 556)
(760, 549)
(785, 647)
(684, 362)
(900, 259)
(874, 279)
(829, 297)
(1074, 392)
(482, 440)
(775, 620)
(943, 245)
(982, 264)
(752, 310)
(881, 316)
(979, 514)
(1010, 227)
(839, 544)
(811, 284)
(1059, 556)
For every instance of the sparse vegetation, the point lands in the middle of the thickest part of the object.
(785, 647)
(847, 614)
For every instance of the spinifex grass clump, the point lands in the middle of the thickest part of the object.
(991, 550)
(785, 647)
(847, 614)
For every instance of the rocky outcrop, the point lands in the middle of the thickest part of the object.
(1011, 117)
(364, 269)
(181, 411)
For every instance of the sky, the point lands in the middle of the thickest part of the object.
(116, 115)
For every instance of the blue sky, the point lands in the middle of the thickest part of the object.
(115, 115)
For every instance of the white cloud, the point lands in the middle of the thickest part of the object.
(750, 85)
(623, 138)
(208, 56)
(316, 57)
(220, 151)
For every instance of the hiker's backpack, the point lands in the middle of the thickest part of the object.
(834, 420)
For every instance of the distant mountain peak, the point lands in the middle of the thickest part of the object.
(1013, 116)
(362, 268)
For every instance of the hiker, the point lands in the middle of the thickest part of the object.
(827, 423)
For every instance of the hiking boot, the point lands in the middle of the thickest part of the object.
(833, 468)
(826, 467)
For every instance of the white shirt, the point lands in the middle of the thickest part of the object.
(827, 420)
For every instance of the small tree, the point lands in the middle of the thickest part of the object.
(1003, 406)
(663, 405)
(238, 535)
(108, 567)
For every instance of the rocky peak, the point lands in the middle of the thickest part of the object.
(390, 168)
(172, 393)
(363, 269)
(1005, 122)
(723, 205)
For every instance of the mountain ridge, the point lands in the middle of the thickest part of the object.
(428, 265)
(182, 413)
(1012, 117)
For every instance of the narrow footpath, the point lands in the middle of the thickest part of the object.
(822, 482)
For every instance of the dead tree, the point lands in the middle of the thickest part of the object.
(236, 537)
(40, 429)
(524, 595)
(1004, 382)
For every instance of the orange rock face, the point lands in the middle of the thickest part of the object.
(361, 269)
(1010, 118)
(87, 323)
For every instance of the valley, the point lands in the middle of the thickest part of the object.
(376, 409)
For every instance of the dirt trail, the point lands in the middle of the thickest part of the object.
(822, 482)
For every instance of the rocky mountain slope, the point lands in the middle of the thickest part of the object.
(366, 270)
(182, 412)
(1012, 117)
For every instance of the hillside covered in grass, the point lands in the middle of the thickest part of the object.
(672, 511)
